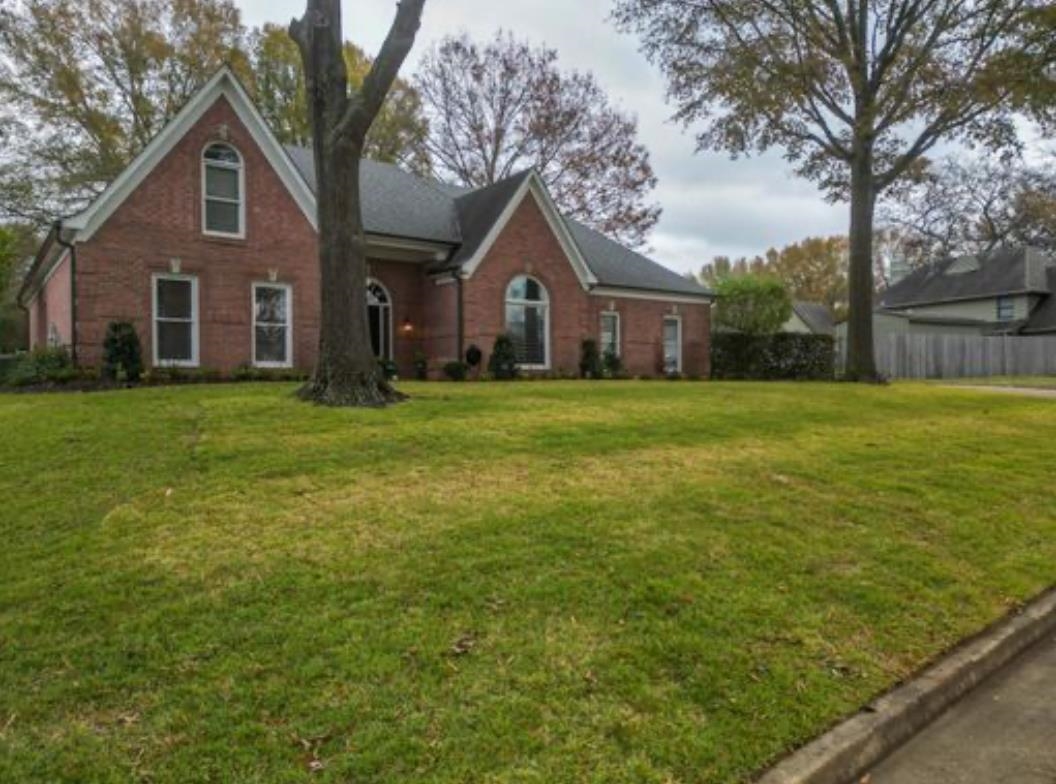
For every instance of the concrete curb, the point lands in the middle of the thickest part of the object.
(846, 752)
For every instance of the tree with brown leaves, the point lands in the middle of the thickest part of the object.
(497, 108)
(347, 374)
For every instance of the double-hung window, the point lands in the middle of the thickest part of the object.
(175, 320)
(1006, 309)
(223, 184)
(272, 325)
(672, 345)
(610, 334)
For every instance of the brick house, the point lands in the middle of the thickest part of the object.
(207, 244)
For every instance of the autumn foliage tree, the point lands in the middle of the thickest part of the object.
(347, 373)
(854, 93)
(503, 106)
(85, 84)
(399, 132)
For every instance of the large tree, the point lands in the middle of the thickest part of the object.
(854, 93)
(399, 131)
(347, 374)
(504, 106)
(85, 84)
(957, 206)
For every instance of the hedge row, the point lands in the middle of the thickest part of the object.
(781, 356)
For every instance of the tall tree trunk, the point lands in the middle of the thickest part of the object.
(347, 373)
(861, 358)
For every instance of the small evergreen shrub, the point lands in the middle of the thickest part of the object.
(455, 371)
(388, 369)
(51, 365)
(502, 365)
(474, 356)
(589, 359)
(784, 356)
(122, 352)
(421, 366)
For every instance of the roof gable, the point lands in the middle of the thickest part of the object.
(224, 84)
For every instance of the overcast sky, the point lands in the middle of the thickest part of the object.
(712, 205)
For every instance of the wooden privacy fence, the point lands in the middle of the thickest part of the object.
(961, 356)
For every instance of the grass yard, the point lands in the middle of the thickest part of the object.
(1027, 382)
(548, 582)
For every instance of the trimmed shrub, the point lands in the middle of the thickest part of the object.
(421, 366)
(474, 356)
(122, 352)
(784, 356)
(612, 365)
(50, 365)
(752, 304)
(502, 364)
(589, 359)
(388, 369)
(456, 371)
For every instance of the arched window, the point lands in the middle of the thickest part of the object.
(223, 211)
(528, 321)
(379, 314)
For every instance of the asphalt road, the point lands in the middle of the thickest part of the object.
(1004, 732)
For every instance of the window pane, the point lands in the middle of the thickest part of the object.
(174, 341)
(221, 182)
(671, 345)
(222, 216)
(526, 325)
(375, 316)
(608, 334)
(271, 344)
(271, 305)
(174, 299)
(221, 152)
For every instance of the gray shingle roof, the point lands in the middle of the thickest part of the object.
(615, 265)
(1002, 271)
(397, 203)
(816, 316)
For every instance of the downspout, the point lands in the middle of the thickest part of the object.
(72, 248)
(461, 322)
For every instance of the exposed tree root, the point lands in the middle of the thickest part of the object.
(368, 390)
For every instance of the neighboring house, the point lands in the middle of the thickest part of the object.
(810, 318)
(1009, 291)
(207, 244)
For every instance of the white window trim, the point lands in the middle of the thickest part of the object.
(289, 324)
(193, 363)
(392, 334)
(677, 319)
(619, 330)
(241, 168)
(536, 303)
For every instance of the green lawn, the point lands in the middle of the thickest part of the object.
(540, 582)
(1027, 382)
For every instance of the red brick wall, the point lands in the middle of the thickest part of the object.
(641, 333)
(159, 228)
(528, 246)
(162, 222)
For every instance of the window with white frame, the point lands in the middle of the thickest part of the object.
(223, 211)
(672, 345)
(176, 320)
(272, 325)
(379, 316)
(610, 334)
(528, 321)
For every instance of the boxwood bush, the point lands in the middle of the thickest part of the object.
(783, 356)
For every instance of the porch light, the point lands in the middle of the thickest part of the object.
(407, 327)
